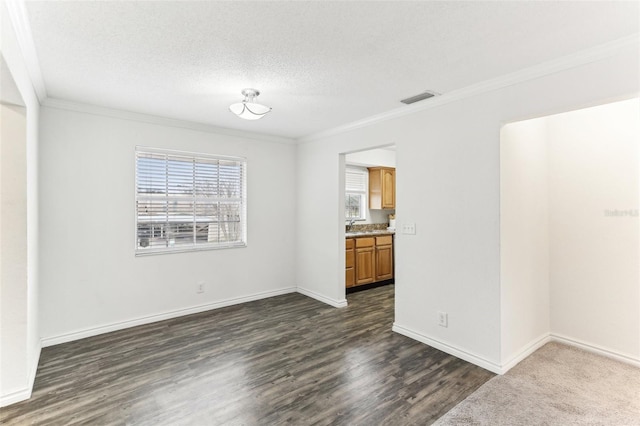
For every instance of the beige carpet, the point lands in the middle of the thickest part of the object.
(556, 385)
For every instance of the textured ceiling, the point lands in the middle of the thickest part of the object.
(318, 64)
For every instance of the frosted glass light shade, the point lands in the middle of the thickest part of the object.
(249, 110)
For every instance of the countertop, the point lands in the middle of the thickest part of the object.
(375, 233)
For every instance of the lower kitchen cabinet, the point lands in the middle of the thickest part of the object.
(384, 258)
(368, 260)
(350, 262)
(365, 261)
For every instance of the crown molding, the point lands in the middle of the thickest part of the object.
(162, 121)
(583, 57)
(19, 19)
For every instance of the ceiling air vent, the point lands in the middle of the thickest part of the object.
(422, 96)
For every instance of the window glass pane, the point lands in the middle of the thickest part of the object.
(179, 176)
(151, 174)
(206, 178)
(206, 223)
(229, 222)
(186, 200)
(180, 223)
(230, 182)
(353, 206)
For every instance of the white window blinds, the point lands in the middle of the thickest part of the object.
(355, 180)
(189, 201)
(355, 193)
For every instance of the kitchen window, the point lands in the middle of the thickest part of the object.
(187, 201)
(355, 201)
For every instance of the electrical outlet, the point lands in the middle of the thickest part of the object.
(409, 228)
(200, 287)
(443, 319)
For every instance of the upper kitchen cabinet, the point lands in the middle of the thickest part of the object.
(382, 188)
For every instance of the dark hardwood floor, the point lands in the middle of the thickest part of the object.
(284, 360)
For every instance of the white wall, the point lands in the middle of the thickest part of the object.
(570, 266)
(594, 257)
(448, 184)
(524, 237)
(27, 327)
(13, 250)
(91, 280)
(372, 157)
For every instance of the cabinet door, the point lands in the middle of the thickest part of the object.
(388, 189)
(350, 277)
(382, 188)
(384, 262)
(365, 265)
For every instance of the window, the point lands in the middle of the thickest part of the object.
(355, 200)
(189, 201)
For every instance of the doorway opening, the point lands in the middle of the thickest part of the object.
(369, 220)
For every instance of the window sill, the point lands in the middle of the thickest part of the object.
(154, 252)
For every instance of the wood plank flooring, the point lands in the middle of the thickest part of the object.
(284, 360)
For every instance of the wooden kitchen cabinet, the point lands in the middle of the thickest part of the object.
(382, 188)
(350, 262)
(365, 261)
(384, 258)
(368, 260)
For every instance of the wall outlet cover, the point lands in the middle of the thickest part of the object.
(443, 319)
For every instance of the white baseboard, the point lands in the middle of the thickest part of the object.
(13, 397)
(451, 350)
(94, 331)
(23, 394)
(335, 303)
(525, 351)
(596, 349)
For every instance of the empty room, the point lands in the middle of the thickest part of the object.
(319, 213)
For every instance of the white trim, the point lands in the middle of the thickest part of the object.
(161, 121)
(94, 331)
(34, 366)
(525, 351)
(582, 57)
(14, 397)
(333, 302)
(18, 17)
(596, 349)
(451, 350)
(24, 394)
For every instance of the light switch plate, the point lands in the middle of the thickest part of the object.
(409, 228)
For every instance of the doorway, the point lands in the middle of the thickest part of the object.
(369, 220)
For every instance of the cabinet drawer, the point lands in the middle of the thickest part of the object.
(384, 240)
(349, 244)
(365, 242)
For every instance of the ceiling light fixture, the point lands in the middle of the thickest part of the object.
(248, 108)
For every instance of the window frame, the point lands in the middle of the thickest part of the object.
(193, 247)
(363, 194)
